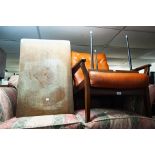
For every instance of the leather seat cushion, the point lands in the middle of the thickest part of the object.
(118, 80)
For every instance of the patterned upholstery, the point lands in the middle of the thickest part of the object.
(61, 121)
(7, 103)
(115, 119)
(100, 118)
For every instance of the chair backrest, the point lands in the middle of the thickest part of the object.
(101, 59)
(45, 78)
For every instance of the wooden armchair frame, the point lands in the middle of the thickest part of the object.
(90, 91)
(145, 67)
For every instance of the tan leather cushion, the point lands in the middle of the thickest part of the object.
(76, 57)
(118, 80)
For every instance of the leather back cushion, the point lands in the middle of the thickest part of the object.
(76, 56)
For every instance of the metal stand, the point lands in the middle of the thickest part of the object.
(96, 60)
(129, 53)
(91, 50)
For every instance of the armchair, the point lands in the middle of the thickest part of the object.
(108, 82)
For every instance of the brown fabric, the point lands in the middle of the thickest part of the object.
(118, 80)
(45, 79)
(76, 57)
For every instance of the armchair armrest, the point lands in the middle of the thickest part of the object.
(113, 71)
(100, 70)
(77, 66)
(86, 82)
(145, 67)
(126, 71)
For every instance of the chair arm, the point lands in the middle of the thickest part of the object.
(113, 71)
(100, 70)
(77, 66)
(86, 82)
(126, 71)
(145, 67)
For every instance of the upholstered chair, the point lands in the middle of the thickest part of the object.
(103, 81)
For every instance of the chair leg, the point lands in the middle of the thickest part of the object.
(87, 104)
(147, 103)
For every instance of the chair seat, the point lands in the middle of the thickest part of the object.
(118, 80)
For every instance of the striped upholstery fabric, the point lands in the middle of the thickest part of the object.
(100, 119)
(60, 121)
(7, 103)
(115, 119)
